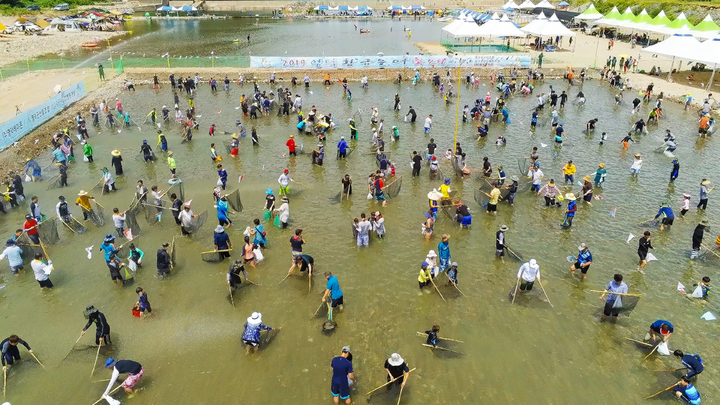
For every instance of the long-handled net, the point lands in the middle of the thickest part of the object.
(74, 225)
(178, 189)
(54, 182)
(214, 256)
(392, 190)
(198, 222)
(457, 166)
(481, 198)
(123, 251)
(29, 249)
(47, 230)
(449, 211)
(131, 221)
(523, 165)
(625, 304)
(234, 202)
(152, 212)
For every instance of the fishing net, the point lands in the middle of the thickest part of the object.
(515, 255)
(97, 215)
(457, 166)
(198, 222)
(152, 212)
(449, 211)
(523, 165)
(47, 230)
(74, 225)
(481, 198)
(29, 249)
(625, 304)
(54, 182)
(228, 146)
(233, 200)
(212, 256)
(335, 199)
(357, 117)
(178, 189)
(393, 189)
(131, 221)
(123, 251)
(172, 252)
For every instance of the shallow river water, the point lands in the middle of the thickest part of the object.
(521, 353)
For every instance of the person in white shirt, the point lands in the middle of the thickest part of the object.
(431, 260)
(119, 221)
(537, 176)
(284, 181)
(108, 182)
(428, 124)
(42, 271)
(284, 212)
(527, 274)
(364, 81)
(637, 164)
(186, 216)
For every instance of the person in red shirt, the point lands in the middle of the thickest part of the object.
(291, 146)
(118, 105)
(30, 227)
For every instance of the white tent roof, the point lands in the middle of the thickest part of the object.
(535, 24)
(494, 16)
(551, 27)
(589, 14)
(545, 4)
(510, 5)
(500, 28)
(710, 50)
(463, 29)
(526, 5)
(683, 46)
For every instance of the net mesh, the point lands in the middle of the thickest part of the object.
(173, 253)
(28, 248)
(152, 213)
(54, 182)
(625, 304)
(457, 167)
(198, 222)
(392, 190)
(234, 201)
(523, 166)
(47, 230)
(131, 221)
(228, 145)
(74, 225)
(481, 198)
(178, 189)
(123, 251)
(449, 211)
(97, 215)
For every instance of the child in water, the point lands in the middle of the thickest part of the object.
(432, 338)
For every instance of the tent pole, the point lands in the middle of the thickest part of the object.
(597, 45)
(712, 76)
(671, 66)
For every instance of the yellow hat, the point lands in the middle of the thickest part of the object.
(115, 152)
(602, 165)
(234, 136)
(586, 178)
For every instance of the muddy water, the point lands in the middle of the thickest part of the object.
(191, 348)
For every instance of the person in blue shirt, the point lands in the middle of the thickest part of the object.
(533, 120)
(432, 338)
(693, 362)
(615, 286)
(584, 260)
(260, 237)
(570, 211)
(342, 148)
(333, 289)
(108, 247)
(221, 240)
(667, 216)
(342, 375)
(687, 392)
(36, 170)
(223, 174)
(444, 252)
(59, 156)
(505, 115)
(13, 253)
(660, 328)
(223, 211)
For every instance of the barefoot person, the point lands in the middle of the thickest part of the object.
(251, 335)
(133, 370)
(342, 375)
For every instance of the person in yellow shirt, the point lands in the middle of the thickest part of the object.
(327, 79)
(83, 201)
(569, 170)
(494, 198)
(171, 162)
(445, 190)
(424, 279)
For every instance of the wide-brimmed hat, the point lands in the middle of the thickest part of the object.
(570, 196)
(504, 228)
(89, 310)
(704, 222)
(110, 362)
(586, 178)
(82, 193)
(705, 182)
(115, 152)
(170, 153)
(234, 136)
(514, 178)
(432, 254)
(638, 155)
(582, 246)
(434, 195)
(687, 195)
(285, 199)
(255, 318)
(219, 229)
(601, 165)
(395, 360)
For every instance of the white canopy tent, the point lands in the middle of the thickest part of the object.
(500, 28)
(463, 29)
(535, 24)
(681, 46)
(710, 51)
(590, 14)
(545, 4)
(526, 5)
(552, 27)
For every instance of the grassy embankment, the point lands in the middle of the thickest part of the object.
(19, 8)
(694, 10)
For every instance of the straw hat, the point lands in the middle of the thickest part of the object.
(234, 136)
(601, 165)
(115, 152)
(637, 155)
(686, 195)
(395, 360)
(705, 182)
(503, 228)
(255, 318)
(170, 153)
(82, 193)
(570, 196)
(551, 183)
(586, 178)
(292, 136)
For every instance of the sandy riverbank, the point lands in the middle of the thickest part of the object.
(19, 47)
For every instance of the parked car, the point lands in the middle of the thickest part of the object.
(33, 8)
(62, 7)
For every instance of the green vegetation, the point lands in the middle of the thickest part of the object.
(19, 7)
(694, 10)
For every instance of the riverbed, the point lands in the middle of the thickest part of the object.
(191, 349)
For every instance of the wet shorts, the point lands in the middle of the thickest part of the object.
(668, 220)
(336, 302)
(467, 221)
(340, 391)
(583, 270)
(132, 379)
(250, 342)
(609, 310)
(492, 207)
(526, 285)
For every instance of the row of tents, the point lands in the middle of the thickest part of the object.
(687, 47)
(183, 9)
(342, 8)
(660, 24)
(528, 5)
(497, 26)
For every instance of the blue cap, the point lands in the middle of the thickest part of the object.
(447, 182)
(144, 140)
(561, 124)
(269, 191)
(424, 264)
(109, 362)
(10, 242)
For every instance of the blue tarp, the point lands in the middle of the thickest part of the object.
(165, 8)
(483, 17)
(323, 7)
(343, 8)
(187, 8)
(397, 7)
(415, 7)
(564, 4)
(362, 8)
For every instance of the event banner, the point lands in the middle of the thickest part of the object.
(25, 122)
(521, 60)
